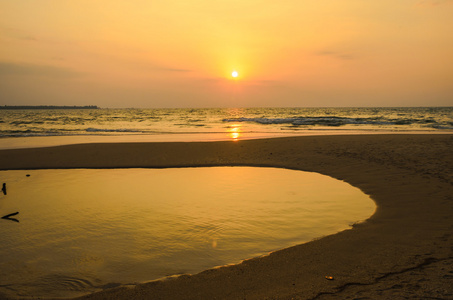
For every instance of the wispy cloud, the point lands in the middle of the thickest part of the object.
(17, 34)
(150, 65)
(434, 2)
(15, 69)
(166, 69)
(336, 54)
(155, 66)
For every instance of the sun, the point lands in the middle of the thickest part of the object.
(235, 74)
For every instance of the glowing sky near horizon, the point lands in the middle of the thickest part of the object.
(141, 53)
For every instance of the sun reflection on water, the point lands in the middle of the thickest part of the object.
(234, 131)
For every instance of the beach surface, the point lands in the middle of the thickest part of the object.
(405, 250)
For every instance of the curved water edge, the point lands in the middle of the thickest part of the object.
(283, 207)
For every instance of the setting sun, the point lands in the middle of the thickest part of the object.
(235, 74)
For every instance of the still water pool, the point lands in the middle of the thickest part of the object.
(79, 231)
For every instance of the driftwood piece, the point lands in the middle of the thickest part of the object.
(7, 217)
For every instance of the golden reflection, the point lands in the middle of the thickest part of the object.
(234, 131)
(195, 226)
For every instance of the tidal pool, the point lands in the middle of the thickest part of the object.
(82, 230)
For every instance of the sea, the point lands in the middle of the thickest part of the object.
(71, 122)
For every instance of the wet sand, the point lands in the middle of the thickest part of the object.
(404, 250)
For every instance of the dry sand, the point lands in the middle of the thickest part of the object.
(405, 250)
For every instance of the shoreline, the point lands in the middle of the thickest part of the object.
(50, 141)
(409, 176)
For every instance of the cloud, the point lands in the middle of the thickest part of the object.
(336, 54)
(17, 34)
(154, 66)
(14, 69)
(435, 2)
(171, 69)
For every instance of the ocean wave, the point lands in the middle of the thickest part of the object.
(31, 132)
(331, 121)
(442, 127)
(28, 133)
(26, 122)
(111, 130)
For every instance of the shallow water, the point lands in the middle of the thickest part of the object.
(80, 231)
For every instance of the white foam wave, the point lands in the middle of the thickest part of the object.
(111, 130)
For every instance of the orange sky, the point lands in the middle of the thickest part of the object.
(142, 53)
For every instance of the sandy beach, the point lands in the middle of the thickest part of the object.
(405, 250)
